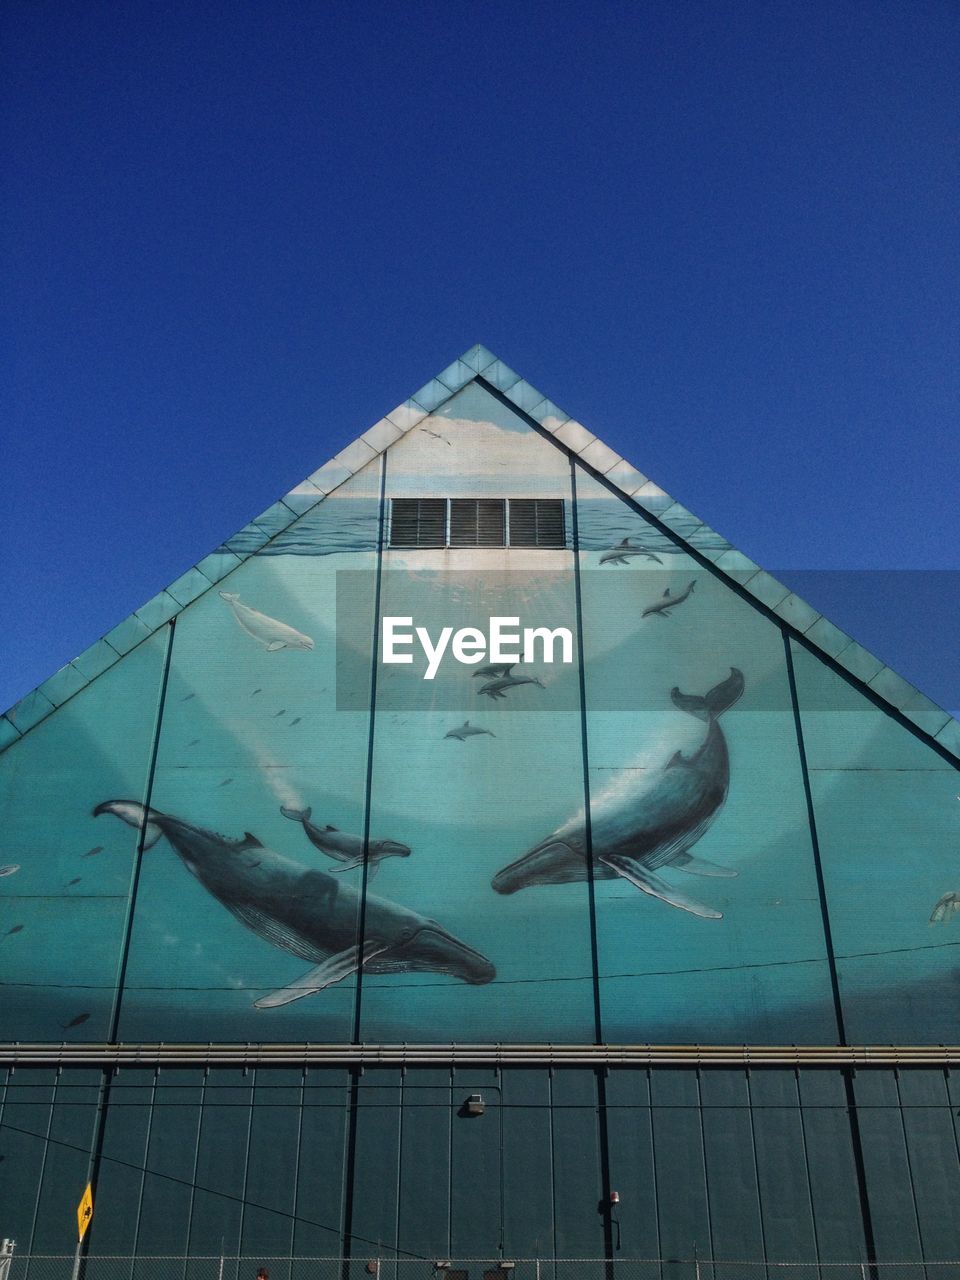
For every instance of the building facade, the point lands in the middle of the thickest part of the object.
(473, 836)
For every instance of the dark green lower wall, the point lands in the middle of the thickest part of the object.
(271, 1162)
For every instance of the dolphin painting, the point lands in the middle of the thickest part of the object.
(494, 670)
(624, 551)
(667, 602)
(498, 688)
(267, 631)
(639, 825)
(308, 912)
(468, 730)
(346, 848)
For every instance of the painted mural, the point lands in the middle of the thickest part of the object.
(254, 827)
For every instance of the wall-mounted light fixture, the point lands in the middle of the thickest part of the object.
(474, 1105)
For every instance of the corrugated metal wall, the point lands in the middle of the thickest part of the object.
(731, 1164)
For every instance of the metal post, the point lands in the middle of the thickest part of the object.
(76, 1260)
(6, 1256)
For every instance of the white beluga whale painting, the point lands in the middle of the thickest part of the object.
(306, 911)
(642, 825)
(269, 632)
(344, 847)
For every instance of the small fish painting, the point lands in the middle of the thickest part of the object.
(17, 928)
(97, 848)
(71, 883)
(10, 870)
(269, 632)
(78, 1021)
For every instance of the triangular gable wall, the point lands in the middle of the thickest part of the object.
(867, 672)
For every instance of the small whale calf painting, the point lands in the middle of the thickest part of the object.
(346, 848)
(638, 828)
(307, 912)
(269, 632)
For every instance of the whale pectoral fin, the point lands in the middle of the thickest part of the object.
(647, 882)
(347, 866)
(274, 645)
(701, 867)
(333, 970)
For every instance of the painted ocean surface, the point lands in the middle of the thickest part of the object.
(352, 524)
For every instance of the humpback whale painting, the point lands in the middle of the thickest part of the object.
(305, 911)
(637, 829)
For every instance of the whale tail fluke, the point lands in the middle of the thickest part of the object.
(709, 705)
(295, 815)
(134, 814)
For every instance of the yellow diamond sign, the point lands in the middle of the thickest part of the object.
(84, 1211)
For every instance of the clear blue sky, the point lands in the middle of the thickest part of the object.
(723, 235)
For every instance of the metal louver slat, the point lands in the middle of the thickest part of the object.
(418, 522)
(536, 522)
(477, 522)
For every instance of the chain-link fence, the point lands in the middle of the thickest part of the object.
(370, 1267)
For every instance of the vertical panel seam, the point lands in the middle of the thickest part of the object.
(138, 863)
(806, 1166)
(815, 843)
(756, 1162)
(906, 1152)
(196, 1163)
(371, 730)
(703, 1156)
(585, 762)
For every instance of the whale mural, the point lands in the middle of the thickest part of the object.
(637, 830)
(306, 911)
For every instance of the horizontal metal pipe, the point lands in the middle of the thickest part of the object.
(370, 1055)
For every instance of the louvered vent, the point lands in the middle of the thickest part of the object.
(536, 522)
(478, 522)
(418, 522)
